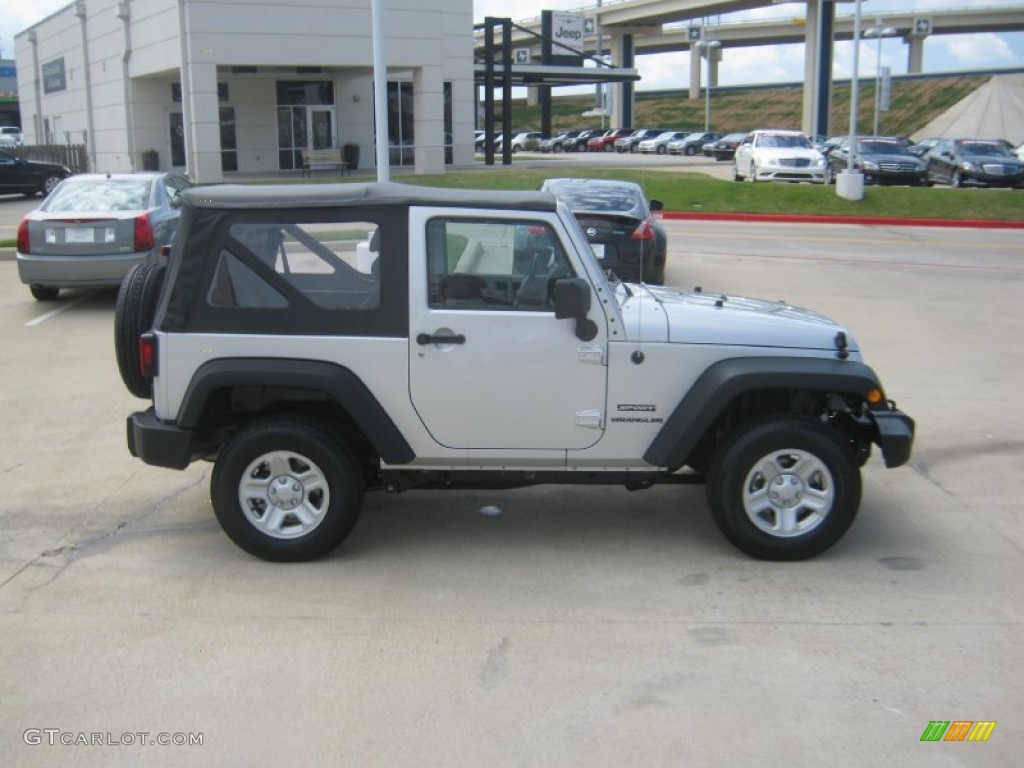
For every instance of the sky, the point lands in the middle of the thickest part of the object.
(740, 66)
(784, 63)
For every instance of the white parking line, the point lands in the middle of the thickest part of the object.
(54, 312)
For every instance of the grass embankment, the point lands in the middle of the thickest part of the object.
(914, 104)
(694, 192)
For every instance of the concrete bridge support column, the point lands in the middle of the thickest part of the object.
(915, 57)
(818, 64)
(623, 93)
(696, 63)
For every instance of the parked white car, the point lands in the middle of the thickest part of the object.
(769, 155)
(10, 136)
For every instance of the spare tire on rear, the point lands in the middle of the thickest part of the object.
(133, 316)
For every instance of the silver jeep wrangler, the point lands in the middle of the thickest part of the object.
(317, 342)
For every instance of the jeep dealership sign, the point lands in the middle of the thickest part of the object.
(567, 31)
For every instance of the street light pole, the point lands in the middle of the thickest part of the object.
(879, 32)
(708, 46)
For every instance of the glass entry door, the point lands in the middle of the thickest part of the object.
(305, 119)
(320, 126)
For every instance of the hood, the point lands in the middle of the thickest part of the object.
(677, 316)
(1005, 160)
(895, 159)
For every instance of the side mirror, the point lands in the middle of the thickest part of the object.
(572, 298)
(572, 301)
(657, 205)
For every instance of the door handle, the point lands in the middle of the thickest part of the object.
(427, 338)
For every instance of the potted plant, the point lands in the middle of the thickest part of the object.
(150, 159)
(350, 154)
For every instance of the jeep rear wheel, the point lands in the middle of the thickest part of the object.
(286, 491)
(784, 488)
(133, 316)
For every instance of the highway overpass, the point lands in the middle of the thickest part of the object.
(630, 28)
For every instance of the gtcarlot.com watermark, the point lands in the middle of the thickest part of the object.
(58, 737)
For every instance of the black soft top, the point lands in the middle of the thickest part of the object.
(278, 196)
(204, 231)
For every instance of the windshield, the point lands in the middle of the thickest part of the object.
(100, 196)
(879, 147)
(988, 148)
(783, 140)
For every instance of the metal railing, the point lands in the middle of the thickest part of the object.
(74, 156)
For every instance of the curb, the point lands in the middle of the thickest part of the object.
(768, 218)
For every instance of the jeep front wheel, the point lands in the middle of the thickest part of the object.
(784, 488)
(286, 491)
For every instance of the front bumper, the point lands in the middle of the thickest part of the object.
(814, 174)
(911, 178)
(982, 179)
(894, 435)
(159, 443)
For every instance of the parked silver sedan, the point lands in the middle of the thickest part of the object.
(93, 228)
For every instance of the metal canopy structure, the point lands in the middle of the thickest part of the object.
(540, 74)
(499, 68)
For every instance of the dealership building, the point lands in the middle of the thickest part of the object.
(211, 86)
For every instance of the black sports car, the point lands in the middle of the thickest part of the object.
(619, 223)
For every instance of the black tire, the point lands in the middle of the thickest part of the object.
(784, 488)
(661, 149)
(752, 173)
(691, 151)
(133, 315)
(43, 292)
(956, 180)
(736, 174)
(288, 470)
(49, 182)
(830, 175)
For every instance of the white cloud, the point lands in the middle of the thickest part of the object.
(19, 16)
(977, 50)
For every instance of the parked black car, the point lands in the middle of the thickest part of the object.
(881, 159)
(973, 162)
(725, 147)
(619, 224)
(922, 147)
(579, 144)
(29, 177)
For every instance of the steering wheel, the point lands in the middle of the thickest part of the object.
(527, 289)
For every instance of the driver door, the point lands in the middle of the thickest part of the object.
(490, 365)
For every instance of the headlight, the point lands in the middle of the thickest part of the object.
(819, 161)
(868, 165)
(966, 165)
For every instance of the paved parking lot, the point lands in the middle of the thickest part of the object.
(549, 626)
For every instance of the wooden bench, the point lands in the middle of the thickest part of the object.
(322, 159)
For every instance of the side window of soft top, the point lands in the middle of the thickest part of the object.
(334, 265)
(493, 264)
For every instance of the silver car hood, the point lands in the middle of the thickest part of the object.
(688, 317)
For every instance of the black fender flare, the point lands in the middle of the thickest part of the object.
(336, 381)
(723, 381)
